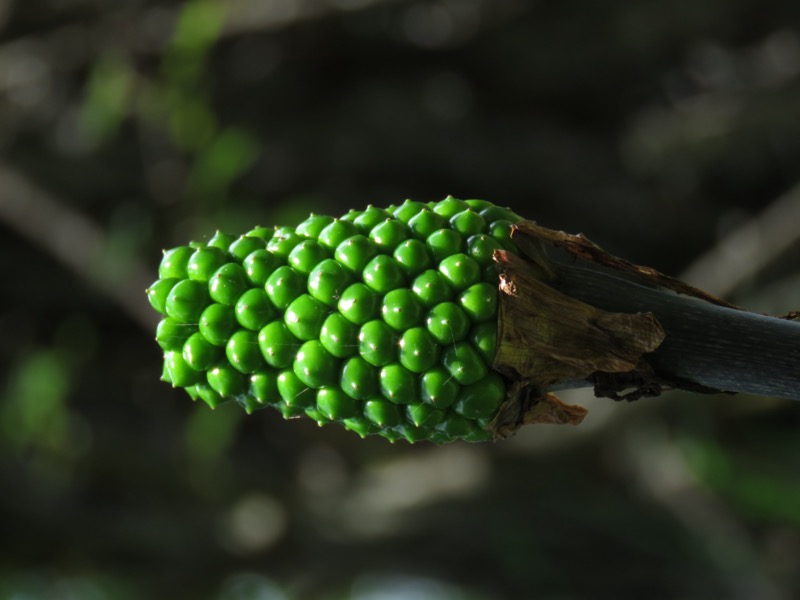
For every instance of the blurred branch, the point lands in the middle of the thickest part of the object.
(660, 468)
(255, 15)
(749, 249)
(73, 240)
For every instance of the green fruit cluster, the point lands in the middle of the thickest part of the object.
(384, 320)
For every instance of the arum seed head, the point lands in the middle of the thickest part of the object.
(384, 320)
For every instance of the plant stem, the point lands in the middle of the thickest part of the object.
(705, 344)
(584, 317)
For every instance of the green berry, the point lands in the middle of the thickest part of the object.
(173, 264)
(464, 363)
(259, 265)
(413, 257)
(383, 413)
(295, 393)
(438, 388)
(478, 205)
(382, 274)
(388, 235)
(370, 218)
(254, 309)
(284, 286)
(501, 231)
(204, 262)
(306, 255)
(199, 353)
(226, 381)
(186, 301)
(479, 433)
(263, 233)
(289, 411)
(424, 415)
(264, 386)
(171, 335)
(283, 242)
(227, 284)
(243, 352)
(304, 317)
(278, 345)
(398, 384)
(336, 405)
(460, 271)
(377, 343)
(426, 222)
(408, 210)
(401, 310)
(217, 324)
(327, 280)
(359, 379)
(479, 301)
(484, 339)
(158, 292)
(179, 372)
(361, 426)
(481, 247)
(444, 243)
(315, 366)
(456, 426)
(221, 240)
(313, 226)
(359, 304)
(481, 399)
(449, 207)
(447, 323)
(208, 395)
(339, 336)
(492, 213)
(413, 433)
(337, 232)
(431, 288)
(468, 223)
(418, 350)
(247, 402)
(355, 252)
(245, 245)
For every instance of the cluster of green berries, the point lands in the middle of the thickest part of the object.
(384, 320)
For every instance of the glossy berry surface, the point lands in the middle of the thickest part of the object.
(253, 309)
(339, 336)
(377, 343)
(413, 257)
(204, 262)
(401, 309)
(383, 320)
(278, 345)
(173, 264)
(186, 301)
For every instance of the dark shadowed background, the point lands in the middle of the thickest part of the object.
(669, 132)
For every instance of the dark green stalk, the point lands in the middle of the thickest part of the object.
(572, 315)
(705, 344)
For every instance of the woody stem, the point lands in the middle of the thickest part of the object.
(705, 344)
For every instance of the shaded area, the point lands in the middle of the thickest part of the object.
(662, 131)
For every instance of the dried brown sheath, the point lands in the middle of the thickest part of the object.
(572, 315)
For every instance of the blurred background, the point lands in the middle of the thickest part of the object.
(668, 132)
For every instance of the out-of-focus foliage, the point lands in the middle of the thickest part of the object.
(654, 127)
